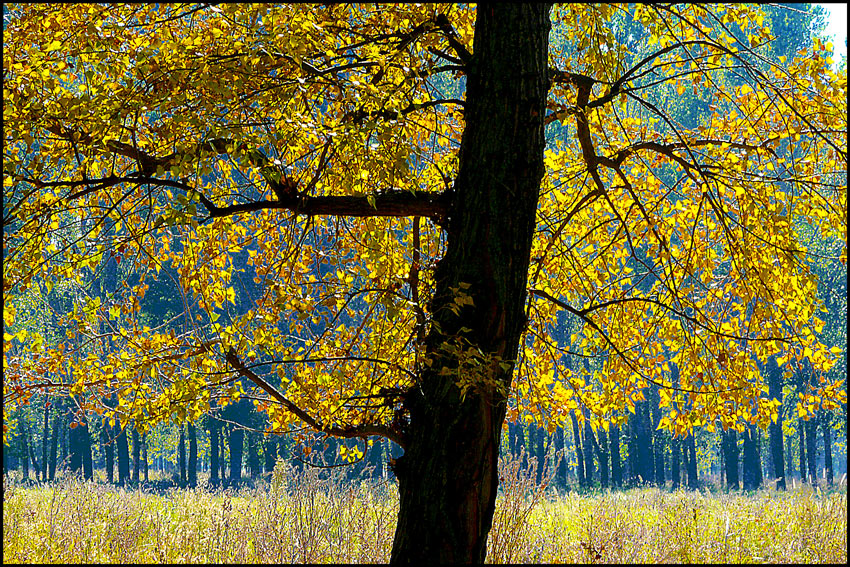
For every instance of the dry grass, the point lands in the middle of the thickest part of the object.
(301, 517)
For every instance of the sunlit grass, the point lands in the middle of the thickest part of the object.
(302, 518)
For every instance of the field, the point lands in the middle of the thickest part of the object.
(300, 517)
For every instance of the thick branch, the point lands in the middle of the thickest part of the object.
(347, 432)
(393, 204)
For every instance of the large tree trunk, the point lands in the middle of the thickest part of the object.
(448, 475)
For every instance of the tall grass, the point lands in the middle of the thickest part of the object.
(307, 517)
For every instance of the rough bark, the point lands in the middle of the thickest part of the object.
(448, 475)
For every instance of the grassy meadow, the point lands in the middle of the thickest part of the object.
(301, 517)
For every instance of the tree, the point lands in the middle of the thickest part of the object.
(415, 240)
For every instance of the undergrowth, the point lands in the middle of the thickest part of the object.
(308, 517)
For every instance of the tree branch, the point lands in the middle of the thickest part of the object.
(347, 432)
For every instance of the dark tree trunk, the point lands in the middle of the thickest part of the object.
(801, 427)
(182, 455)
(145, 456)
(811, 449)
(75, 446)
(45, 440)
(616, 462)
(691, 449)
(109, 454)
(25, 455)
(777, 450)
(631, 458)
(582, 480)
(675, 455)
(658, 441)
(560, 446)
(88, 468)
(270, 453)
(237, 438)
(193, 456)
(137, 453)
(253, 454)
(214, 465)
(603, 455)
(54, 444)
(540, 452)
(730, 458)
(751, 463)
(644, 456)
(123, 455)
(448, 475)
(826, 424)
(588, 453)
(515, 438)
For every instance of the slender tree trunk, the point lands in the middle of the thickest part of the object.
(137, 454)
(751, 461)
(616, 462)
(826, 425)
(253, 454)
(88, 466)
(237, 438)
(270, 453)
(777, 450)
(145, 456)
(54, 444)
(214, 466)
(582, 480)
(123, 455)
(560, 446)
(812, 449)
(730, 453)
(45, 440)
(182, 455)
(691, 447)
(658, 441)
(25, 455)
(676, 453)
(193, 456)
(448, 475)
(801, 427)
(588, 453)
